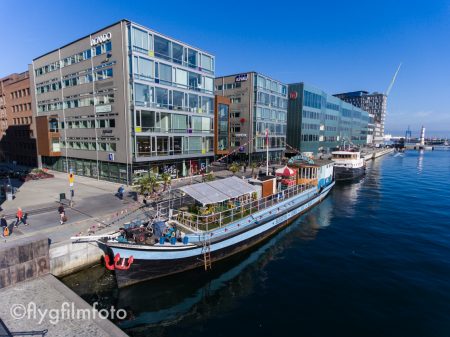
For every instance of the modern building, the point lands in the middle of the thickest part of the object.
(258, 103)
(17, 130)
(318, 122)
(125, 100)
(375, 105)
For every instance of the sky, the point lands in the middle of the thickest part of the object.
(337, 46)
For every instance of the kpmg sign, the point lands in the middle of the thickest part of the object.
(101, 38)
(241, 78)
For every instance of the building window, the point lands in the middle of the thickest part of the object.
(177, 53)
(162, 48)
(165, 74)
(139, 40)
(192, 58)
(143, 94)
(207, 62)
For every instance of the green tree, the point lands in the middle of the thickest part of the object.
(209, 177)
(166, 180)
(146, 184)
(234, 167)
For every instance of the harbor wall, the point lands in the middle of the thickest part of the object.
(377, 153)
(67, 257)
(24, 259)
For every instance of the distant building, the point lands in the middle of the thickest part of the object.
(125, 100)
(374, 104)
(318, 122)
(257, 103)
(17, 130)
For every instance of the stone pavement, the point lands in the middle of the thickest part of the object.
(38, 194)
(46, 303)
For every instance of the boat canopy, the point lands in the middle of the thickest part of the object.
(285, 172)
(219, 190)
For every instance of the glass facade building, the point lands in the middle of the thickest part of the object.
(258, 103)
(318, 122)
(127, 99)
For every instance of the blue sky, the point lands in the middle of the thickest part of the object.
(335, 45)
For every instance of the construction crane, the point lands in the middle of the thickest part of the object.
(393, 80)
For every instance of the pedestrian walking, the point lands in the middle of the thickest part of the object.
(62, 214)
(19, 217)
(24, 219)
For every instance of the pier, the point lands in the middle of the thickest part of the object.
(372, 155)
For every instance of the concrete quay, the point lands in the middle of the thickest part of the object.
(45, 303)
(33, 300)
(372, 155)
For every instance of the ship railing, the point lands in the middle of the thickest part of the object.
(235, 210)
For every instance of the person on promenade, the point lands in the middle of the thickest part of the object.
(24, 219)
(19, 217)
(3, 223)
(120, 192)
(62, 214)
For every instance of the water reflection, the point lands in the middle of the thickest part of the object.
(420, 161)
(167, 301)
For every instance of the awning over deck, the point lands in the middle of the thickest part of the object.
(218, 190)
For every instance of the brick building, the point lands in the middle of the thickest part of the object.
(17, 130)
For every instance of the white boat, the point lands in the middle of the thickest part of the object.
(348, 165)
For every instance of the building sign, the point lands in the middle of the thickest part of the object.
(240, 135)
(241, 78)
(103, 108)
(101, 38)
(111, 156)
(293, 95)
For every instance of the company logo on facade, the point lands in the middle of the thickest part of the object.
(293, 95)
(241, 78)
(101, 38)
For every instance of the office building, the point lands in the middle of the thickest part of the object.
(318, 122)
(375, 105)
(258, 103)
(122, 101)
(17, 130)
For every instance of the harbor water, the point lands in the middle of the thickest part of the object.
(372, 260)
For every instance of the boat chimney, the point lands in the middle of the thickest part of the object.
(422, 136)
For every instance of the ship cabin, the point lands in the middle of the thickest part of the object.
(345, 155)
(318, 172)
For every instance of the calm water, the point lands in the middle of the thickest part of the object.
(372, 260)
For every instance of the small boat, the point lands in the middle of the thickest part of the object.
(348, 164)
(214, 220)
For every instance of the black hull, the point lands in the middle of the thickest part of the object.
(142, 270)
(345, 174)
